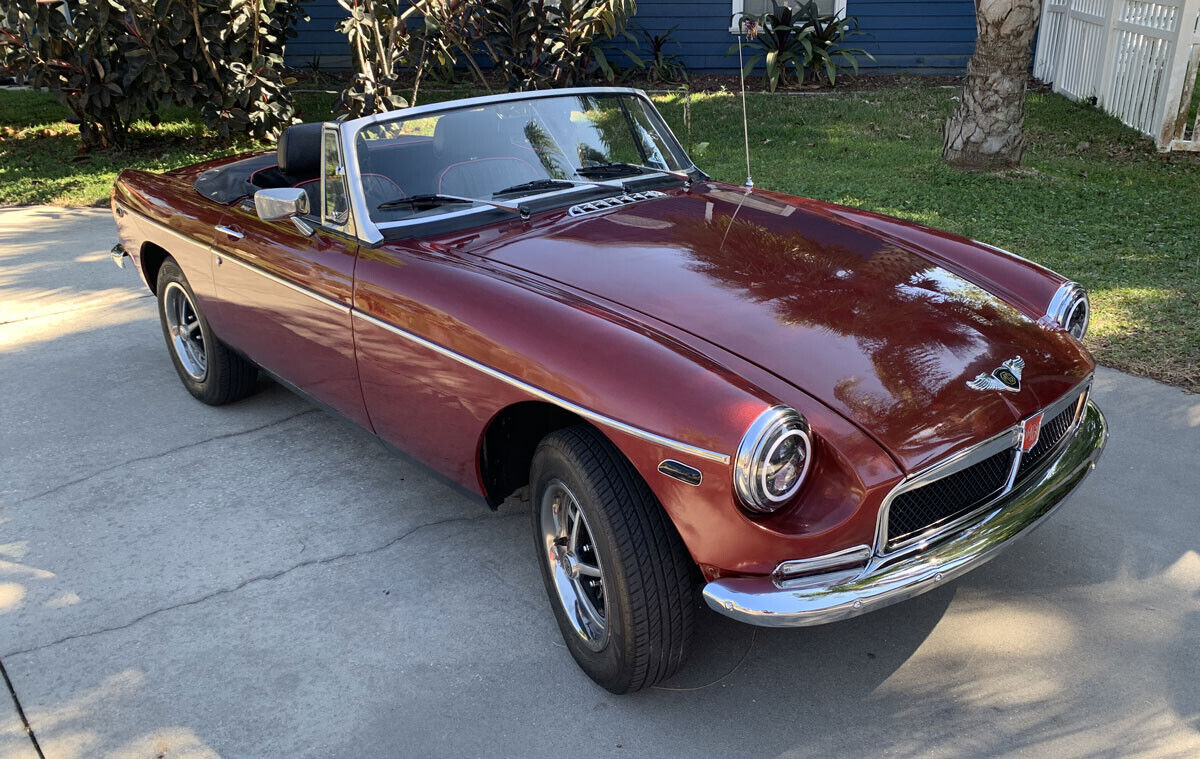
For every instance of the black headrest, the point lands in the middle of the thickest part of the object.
(466, 132)
(299, 151)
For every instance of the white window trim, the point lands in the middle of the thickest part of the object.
(839, 9)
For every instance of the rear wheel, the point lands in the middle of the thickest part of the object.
(207, 367)
(617, 574)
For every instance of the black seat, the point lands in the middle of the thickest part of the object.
(298, 153)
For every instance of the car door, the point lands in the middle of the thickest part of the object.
(285, 290)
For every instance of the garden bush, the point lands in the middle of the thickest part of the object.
(111, 62)
(791, 41)
(530, 43)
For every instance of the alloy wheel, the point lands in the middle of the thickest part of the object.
(574, 564)
(183, 325)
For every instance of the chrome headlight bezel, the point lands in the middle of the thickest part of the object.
(770, 430)
(1071, 309)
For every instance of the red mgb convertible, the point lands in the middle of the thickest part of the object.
(803, 410)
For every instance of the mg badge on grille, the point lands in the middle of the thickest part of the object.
(1031, 430)
(1007, 376)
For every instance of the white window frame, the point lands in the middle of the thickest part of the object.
(839, 9)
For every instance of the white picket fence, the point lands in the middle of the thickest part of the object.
(1136, 59)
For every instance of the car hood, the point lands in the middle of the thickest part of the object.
(876, 328)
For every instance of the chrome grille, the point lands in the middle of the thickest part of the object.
(954, 495)
(616, 201)
(948, 494)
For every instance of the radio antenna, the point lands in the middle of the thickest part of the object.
(749, 27)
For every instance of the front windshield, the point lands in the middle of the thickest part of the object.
(509, 149)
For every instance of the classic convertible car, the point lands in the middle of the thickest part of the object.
(803, 410)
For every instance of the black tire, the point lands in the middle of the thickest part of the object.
(225, 376)
(647, 573)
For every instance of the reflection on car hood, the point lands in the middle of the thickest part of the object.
(867, 324)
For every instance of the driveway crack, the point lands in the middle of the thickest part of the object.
(266, 577)
(168, 452)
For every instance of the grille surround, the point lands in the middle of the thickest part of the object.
(948, 517)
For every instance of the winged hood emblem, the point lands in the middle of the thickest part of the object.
(1007, 376)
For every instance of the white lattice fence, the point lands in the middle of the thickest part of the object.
(1130, 57)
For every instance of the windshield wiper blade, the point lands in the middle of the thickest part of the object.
(538, 184)
(620, 168)
(428, 199)
(432, 200)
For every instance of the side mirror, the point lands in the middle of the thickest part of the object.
(280, 203)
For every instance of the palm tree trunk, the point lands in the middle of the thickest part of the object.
(986, 130)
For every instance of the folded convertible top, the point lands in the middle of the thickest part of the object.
(231, 182)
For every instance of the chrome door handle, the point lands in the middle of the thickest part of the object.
(233, 233)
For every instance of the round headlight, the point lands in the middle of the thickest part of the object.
(1071, 309)
(772, 459)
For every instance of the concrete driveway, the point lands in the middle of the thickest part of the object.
(263, 580)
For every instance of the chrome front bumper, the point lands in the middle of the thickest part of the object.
(816, 600)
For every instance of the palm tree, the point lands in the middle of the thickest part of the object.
(986, 130)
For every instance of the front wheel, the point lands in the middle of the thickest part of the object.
(208, 369)
(616, 571)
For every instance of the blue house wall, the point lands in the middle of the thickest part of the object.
(317, 43)
(925, 36)
(929, 37)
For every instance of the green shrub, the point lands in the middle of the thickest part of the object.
(518, 40)
(102, 63)
(532, 43)
(237, 78)
(111, 62)
(660, 65)
(827, 33)
(579, 29)
(792, 41)
(379, 42)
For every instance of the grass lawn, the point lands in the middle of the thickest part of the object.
(1094, 200)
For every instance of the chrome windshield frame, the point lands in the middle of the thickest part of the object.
(370, 232)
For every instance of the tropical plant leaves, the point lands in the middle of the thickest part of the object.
(790, 43)
(114, 62)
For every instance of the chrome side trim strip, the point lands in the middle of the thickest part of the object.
(341, 308)
(537, 392)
